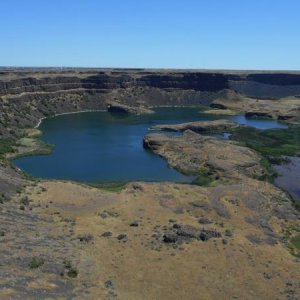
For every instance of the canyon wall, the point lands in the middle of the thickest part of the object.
(26, 95)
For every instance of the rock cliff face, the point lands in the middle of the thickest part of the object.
(26, 95)
(44, 83)
(267, 85)
(254, 84)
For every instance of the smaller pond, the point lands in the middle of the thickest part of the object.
(258, 123)
(289, 177)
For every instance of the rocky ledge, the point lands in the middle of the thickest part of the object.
(199, 126)
(287, 109)
(116, 107)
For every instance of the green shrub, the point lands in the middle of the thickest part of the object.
(270, 142)
(25, 201)
(72, 271)
(36, 262)
(5, 147)
(204, 177)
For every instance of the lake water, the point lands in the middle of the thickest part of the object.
(258, 123)
(104, 147)
(289, 177)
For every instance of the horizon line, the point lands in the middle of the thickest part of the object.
(144, 68)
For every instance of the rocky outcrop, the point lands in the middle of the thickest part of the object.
(180, 233)
(193, 153)
(258, 114)
(267, 85)
(115, 107)
(200, 126)
(282, 109)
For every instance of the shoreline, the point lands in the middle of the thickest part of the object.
(283, 188)
(67, 113)
(104, 110)
(170, 106)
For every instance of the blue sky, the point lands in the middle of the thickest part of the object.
(212, 34)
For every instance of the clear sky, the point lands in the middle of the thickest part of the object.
(212, 34)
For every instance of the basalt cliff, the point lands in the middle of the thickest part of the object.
(26, 95)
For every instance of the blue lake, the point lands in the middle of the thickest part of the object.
(104, 147)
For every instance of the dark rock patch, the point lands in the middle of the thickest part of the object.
(122, 237)
(106, 214)
(106, 234)
(170, 237)
(178, 210)
(188, 231)
(228, 233)
(179, 233)
(207, 234)
(109, 284)
(85, 238)
(205, 220)
(137, 187)
(134, 224)
(254, 239)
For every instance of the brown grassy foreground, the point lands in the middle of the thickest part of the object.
(243, 264)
